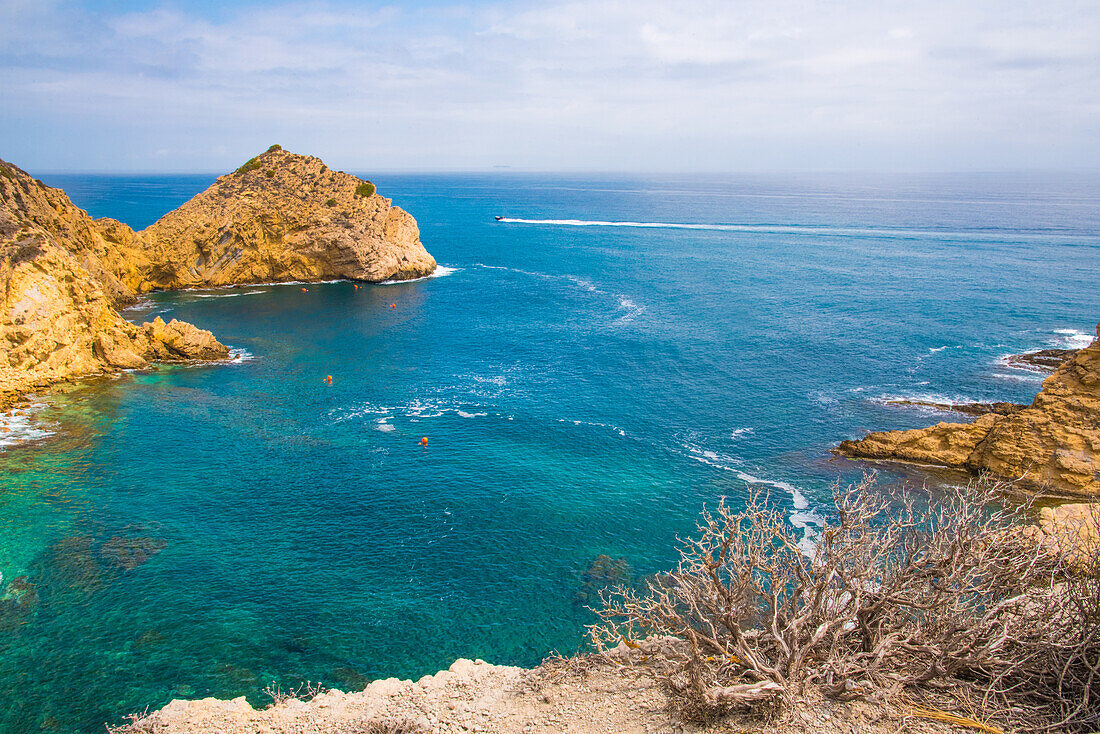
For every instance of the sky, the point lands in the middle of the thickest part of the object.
(556, 85)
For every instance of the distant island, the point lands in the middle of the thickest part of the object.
(279, 217)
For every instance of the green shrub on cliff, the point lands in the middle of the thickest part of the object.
(365, 189)
(274, 148)
(251, 165)
(330, 202)
(269, 173)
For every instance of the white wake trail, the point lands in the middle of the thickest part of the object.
(813, 230)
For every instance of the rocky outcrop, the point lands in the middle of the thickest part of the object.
(1053, 444)
(1044, 360)
(57, 323)
(285, 217)
(944, 444)
(279, 217)
(964, 408)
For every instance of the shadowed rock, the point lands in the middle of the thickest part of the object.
(602, 573)
(129, 553)
(1044, 360)
(964, 408)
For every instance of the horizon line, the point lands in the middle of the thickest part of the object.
(598, 172)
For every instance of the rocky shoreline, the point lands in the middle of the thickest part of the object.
(280, 217)
(1051, 446)
(611, 694)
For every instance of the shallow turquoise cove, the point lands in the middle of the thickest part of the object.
(585, 389)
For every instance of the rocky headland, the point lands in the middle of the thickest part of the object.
(283, 217)
(1052, 445)
(279, 217)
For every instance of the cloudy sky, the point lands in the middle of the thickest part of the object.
(620, 85)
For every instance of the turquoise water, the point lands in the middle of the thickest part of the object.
(585, 389)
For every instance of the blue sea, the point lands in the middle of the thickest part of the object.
(588, 374)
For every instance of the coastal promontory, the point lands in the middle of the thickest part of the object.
(279, 217)
(1052, 444)
(283, 217)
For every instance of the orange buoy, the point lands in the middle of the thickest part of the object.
(305, 290)
(357, 287)
(328, 379)
(424, 441)
(393, 305)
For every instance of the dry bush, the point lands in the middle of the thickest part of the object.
(304, 692)
(137, 724)
(899, 591)
(389, 726)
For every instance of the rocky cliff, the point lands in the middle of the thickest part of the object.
(1054, 443)
(284, 217)
(60, 284)
(279, 217)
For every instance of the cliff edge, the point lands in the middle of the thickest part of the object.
(582, 695)
(1052, 444)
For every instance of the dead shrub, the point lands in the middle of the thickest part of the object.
(390, 726)
(898, 591)
(304, 692)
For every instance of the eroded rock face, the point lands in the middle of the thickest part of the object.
(1054, 443)
(944, 444)
(1044, 360)
(280, 217)
(60, 284)
(180, 341)
(289, 217)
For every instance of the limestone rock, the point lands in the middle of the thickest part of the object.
(284, 217)
(1053, 444)
(179, 340)
(279, 217)
(944, 444)
(60, 283)
(1056, 441)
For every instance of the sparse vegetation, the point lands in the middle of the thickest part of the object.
(390, 726)
(304, 692)
(6, 172)
(274, 148)
(330, 202)
(939, 597)
(365, 189)
(251, 164)
(269, 173)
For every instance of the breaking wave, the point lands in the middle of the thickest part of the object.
(440, 271)
(21, 425)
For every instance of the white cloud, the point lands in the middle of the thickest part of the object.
(603, 84)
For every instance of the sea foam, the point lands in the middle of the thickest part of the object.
(20, 426)
(441, 271)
